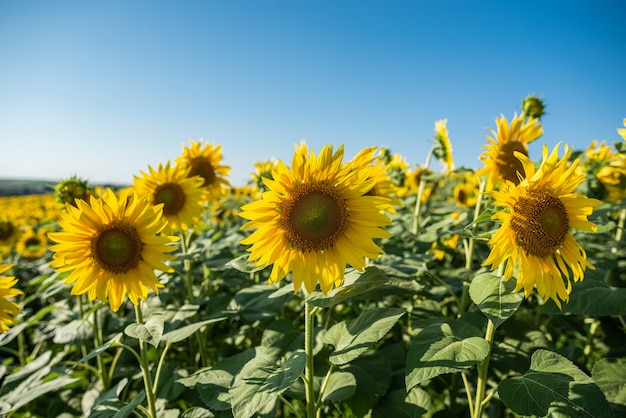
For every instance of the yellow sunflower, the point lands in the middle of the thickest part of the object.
(535, 236)
(68, 190)
(467, 190)
(8, 309)
(33, 243)
(499, 158)
(314, 219)
(182, 196)
(112, 247)
(608, 166)
(444, 151)
(205, 160)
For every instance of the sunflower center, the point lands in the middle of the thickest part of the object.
(314, 217)
(6, 230)
(203, 168)
(540, 223)
(32, 242)
(117, 247)
(172, 197)
(508, 164)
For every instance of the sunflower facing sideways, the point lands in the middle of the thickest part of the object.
(204, 160)
(182, 196)
(314, 219)
(444, 151)
(111, 246)
(499, 157)
(8, 309)
(535, 236)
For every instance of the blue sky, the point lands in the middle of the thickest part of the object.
(103, 89)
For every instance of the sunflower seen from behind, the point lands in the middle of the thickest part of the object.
(443, 152)
(181, 195)
(8, 308)
(499, 158)
(537, 217)
(111, 247)
(205, 160)
(314, 219)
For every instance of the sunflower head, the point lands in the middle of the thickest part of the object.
(8, 308)
(533, 107)
(500, 160)
(606, 168)
(538, 216)
(68, 190)
(622, 131)
(180, 196)
(33, 243)
(112, 246)
(315, 218)
(263, 169)
(204, 160)
(443, 152)
(467, 190)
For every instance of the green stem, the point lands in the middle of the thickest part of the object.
(323, 388)
(98, 341)
(309, 371)
(620, 226)
(157, 375)
(483, 368)
(420, 192)
(145, 367)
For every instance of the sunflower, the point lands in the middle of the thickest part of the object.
(68, 190)
(466, 192)
(8, 309)
(499, 158)
(607, 167)
(33, 243)
(444, 151)
(535, 235)
(314, 219)
(182, 196)
(111, 247)
(205, 160)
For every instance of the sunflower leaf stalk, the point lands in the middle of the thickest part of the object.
(420, 192)
(309, 372)
(145, 367)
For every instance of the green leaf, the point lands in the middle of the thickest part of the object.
(197, 412)
(352, 338)
(150, 332)
(494, 297)
(610, 375)
(261, 380)
(213, 383)
(354, 284)
(444, 348)
(341, 385)
(553, 384)
(184, 332)
(31, 390)
(74, 330)
(242, 264)
(98, 350)
(593, 298)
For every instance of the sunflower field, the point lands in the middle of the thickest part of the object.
(328, 286)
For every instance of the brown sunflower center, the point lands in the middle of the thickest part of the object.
(314, 217)
(507, 163)
(6, 230)
(117, 247)
(202, 167)
(32, 242)
(540, 223)
(172, 196)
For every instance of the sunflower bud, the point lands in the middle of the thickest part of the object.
(66, 191)
(533, 106)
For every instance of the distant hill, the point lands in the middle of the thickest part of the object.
(14, 187)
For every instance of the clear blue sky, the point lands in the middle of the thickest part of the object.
(102, 89)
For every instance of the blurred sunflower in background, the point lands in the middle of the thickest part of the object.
(68, 190)
(537, 218)
(204, 160)
(111, 246)
(181, 195)
(622, 131)
(444, 150)
(33, 243)
(8, 309)
(607, 170)
(315, 218)
(499, 159)
(467, 190)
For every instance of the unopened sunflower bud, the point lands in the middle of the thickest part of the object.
(533, 106)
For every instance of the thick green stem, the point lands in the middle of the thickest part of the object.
(99, 341)
(620, 226)
(483, 369)
(420, 192)
(145, 367)
(309, 374)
